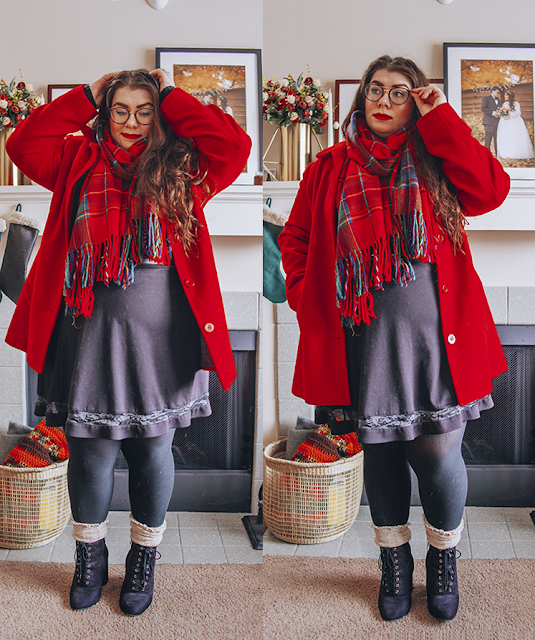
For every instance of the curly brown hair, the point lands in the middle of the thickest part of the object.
(443, 193)
(169, 166)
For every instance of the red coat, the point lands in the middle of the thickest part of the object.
(43, 150)
(308, 241)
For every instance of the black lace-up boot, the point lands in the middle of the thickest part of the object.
(138, 585)
(90, 574)
(442, 587)
(397, 566)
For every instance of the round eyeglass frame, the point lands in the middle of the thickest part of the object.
(129, 114)
(396, 102)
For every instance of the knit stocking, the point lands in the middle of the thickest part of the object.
(22, 235)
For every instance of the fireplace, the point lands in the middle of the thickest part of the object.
(214, 456)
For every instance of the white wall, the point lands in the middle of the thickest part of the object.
(71, 41)
(338, 39)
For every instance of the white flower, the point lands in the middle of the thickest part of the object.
(284, 83)
(326, 109)
(309, 100)
(317, 82)
(336, 125)
(29, 87)
(293, 116)
(278, 92)
(21, 105)
(3, 104)
(5, 121)
(290, 99)
(265, 96)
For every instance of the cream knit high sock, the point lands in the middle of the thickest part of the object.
(441, 539)
(392, 536)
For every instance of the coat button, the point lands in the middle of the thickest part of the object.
(444, 289)
(189, 283)
(209, 327)
(452, 339)
(439, 238)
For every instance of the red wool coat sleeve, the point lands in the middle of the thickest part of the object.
(43, 149)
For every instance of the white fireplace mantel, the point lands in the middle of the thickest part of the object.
(517, 213)
(236, 211)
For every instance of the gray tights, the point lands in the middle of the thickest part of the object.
(441, 473)
(150, 479)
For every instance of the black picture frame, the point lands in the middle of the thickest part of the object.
(246, 67)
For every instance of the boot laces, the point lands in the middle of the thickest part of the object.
(82, 559)
(388, 564)
(448, 558)
(144, 567)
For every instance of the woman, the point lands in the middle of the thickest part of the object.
(122, 311)
(512, 137)
(222, 104)
(407, 365)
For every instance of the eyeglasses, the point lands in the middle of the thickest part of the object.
(120, 115)
(397, 95)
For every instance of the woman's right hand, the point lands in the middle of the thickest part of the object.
(97, 87)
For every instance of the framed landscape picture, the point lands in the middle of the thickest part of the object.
(491, 88)
(228, 78)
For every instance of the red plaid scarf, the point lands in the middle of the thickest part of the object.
(114, 228)
(381, 224)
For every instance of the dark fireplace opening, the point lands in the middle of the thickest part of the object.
(214, 455)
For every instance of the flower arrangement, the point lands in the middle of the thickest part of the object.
(16, 103)
(295, 101)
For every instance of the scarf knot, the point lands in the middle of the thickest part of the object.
(381, 222)
(115, 227)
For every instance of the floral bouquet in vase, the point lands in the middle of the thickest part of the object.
(292, 101)
(16, 103)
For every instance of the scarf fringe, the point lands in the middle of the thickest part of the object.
(388, 261)
(112, 261)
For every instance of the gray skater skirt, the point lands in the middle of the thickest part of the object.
(399, 376)
(132, 369)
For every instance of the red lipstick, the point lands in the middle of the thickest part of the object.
(382, 116)
(132, 136)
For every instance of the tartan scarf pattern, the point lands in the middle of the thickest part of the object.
(381, 223)
(115, 228)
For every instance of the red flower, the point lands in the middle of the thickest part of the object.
(18, 117)
(291, 107)
(302, 104)
(265, 109)
(280, 107)
(324, 115)
(7, 125)
(322, 124)
(306, 113)
(10, 103)
(15, 109)
(319, 105)
(283, 101)
(3, 112)
(308, 80)
(21, 86)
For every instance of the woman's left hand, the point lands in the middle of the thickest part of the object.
(163, 77)
(428, 98)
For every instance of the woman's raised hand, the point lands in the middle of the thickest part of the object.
(163, 78)
(428, 98)
(98, 86)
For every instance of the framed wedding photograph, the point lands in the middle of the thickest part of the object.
(228, 78)
(56, 90)
(491, 87)
(344, 94)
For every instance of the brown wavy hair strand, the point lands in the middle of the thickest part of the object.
(169, 166)
(442, 192)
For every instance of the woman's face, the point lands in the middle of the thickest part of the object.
(127, 134)
(384, 117)
(507, 95)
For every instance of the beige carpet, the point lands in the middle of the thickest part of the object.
(336, 599)
(194, 602)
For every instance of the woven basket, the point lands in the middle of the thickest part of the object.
(312, 502)
(34, 505)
